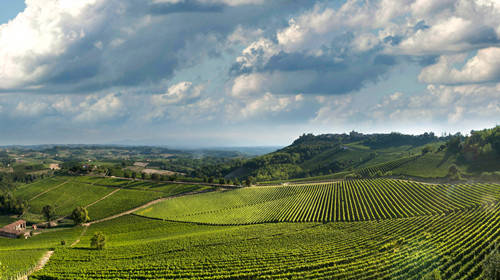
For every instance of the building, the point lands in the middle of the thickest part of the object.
(14, 230)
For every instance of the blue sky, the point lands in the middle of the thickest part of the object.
(244, 72)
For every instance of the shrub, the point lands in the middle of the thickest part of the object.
(98, 241)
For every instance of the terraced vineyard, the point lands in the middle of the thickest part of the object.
(351, 200)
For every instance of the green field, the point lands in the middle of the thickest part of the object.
(351, 200)
(103, 196)
(407, 248)
(352, 229)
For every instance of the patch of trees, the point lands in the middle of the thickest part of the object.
(12, 205)
(480, 144)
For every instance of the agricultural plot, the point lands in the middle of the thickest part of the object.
(19, 256)
(351, 200)
(385, 167)
(103, 196)
(65, 198)
(33, 190)
(122, 200)
(455, 244)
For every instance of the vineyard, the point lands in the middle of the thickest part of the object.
(351, 200)
(409, 248)
(384, 167)
(353, 229)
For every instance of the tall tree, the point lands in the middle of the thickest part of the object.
(80, 215)
(48, 212)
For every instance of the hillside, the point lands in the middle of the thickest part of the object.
(331, 156)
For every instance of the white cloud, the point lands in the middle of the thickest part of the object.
(95, 109)
(33, 109)
(483, 67)
(260, 106)
(179, 93)
(226, 2)
(45, 29)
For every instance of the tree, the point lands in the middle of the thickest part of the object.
(491, 265)
(48, 212)
(98, 241)
(80, 215)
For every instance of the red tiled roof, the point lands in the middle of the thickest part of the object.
(12, 227)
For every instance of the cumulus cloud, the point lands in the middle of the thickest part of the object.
(100, 108)
(448, 105)
(483, 67)
(90, 45)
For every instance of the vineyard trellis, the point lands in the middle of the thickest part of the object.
(344, 201)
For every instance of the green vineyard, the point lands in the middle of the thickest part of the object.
(384, 167)
(352, 229)
(409, 248)
(351, 200)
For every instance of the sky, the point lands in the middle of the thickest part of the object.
(198, 73)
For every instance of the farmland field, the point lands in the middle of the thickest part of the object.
(353, 229)
(103, 196)
(406, 248)
(352, 200)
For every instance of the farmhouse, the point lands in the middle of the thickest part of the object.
(14, 230)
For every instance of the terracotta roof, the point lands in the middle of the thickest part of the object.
(12, 227)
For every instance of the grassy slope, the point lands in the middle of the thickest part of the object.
(65, 193)
(69, 196)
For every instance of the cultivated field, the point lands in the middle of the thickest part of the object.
(351, 200)
(353, 229)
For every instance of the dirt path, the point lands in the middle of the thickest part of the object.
(142, 207)
(41, 263)
(82, 234)
(46, 191)
(102, 198)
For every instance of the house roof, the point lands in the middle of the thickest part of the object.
(12, 227)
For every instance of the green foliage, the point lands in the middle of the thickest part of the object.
(48, 212)
(80, 215)
(12, 205)
(98, 241)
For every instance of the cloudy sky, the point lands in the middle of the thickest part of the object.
(244, 72)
